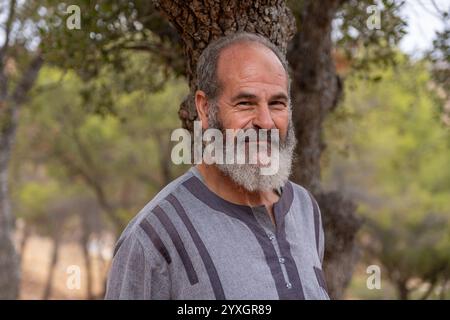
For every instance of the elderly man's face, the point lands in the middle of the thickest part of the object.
(254, 95)
(254, 89)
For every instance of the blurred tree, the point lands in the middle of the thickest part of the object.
(115, 158)
(440, 52)
(109, 152)
(440, 57)
(19, 67)
(413, 250)
(390, 152)
(41, 204)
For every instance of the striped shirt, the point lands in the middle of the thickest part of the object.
(189, 243)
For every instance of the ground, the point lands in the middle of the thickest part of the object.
(35, 271)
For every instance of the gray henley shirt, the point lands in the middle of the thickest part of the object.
(189, 243)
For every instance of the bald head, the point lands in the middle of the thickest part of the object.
(248, 64)
(208, 63)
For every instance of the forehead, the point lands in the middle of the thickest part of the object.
(250, 64)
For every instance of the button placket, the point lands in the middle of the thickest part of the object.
(264, 220)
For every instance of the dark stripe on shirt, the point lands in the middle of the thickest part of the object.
(179, 246)
(320, 278)
(281, 208)
(204, 254)
(244, 214)
(156, 240)
(316, 221)
(118, 245)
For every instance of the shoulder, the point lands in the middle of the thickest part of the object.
(304, 198)
(134, 230)
(311, 208)
(303, 194)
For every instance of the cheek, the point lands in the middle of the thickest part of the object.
(281, 121)
(235, 120)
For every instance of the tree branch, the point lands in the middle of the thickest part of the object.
(429, 291)
(3, 51)
(96, 188)
(20, 93)
(8, 26)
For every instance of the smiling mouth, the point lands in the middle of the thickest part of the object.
(262, 146)
(247, 141)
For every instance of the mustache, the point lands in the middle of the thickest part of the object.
(251, 135)
(287, 141)
(256, 136)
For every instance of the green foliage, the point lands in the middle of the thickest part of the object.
(34, 198)
(396, 163)
(440, 56)
(117, 156)
(110, 30)
(364, 49)
(369, 49)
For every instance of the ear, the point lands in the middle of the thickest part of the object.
(201, 104)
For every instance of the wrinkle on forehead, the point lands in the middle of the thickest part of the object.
(250, 62)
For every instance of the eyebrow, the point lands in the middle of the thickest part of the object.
(251, 96)
(279, 96)
(244, 96)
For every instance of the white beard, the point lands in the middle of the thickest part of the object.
(249, 175)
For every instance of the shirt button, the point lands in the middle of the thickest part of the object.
(281, 260)
(288, 285)
(271, 237)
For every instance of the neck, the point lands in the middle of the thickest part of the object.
(227, 189)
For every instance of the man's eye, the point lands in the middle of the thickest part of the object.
(278, 104)
(245, 103)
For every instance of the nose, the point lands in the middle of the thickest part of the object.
(263, 118)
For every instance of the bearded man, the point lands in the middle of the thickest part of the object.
(225, 230)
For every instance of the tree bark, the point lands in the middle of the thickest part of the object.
(164, 157)
(51, 269)
(9, 112)
(200, 22)
(316, 90)
(24, 241)
(84, 241)
(9, 260)
(402, 290)
(443, 291)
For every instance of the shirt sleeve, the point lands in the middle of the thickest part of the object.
(321, 237)
(318, 227)
(135, 274)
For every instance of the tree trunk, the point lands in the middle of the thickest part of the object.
(9, 112)
(165, 163)
(443, 291)
(24, 240)
(402, 290)
(430, 290)
(87, 258)
(200, 22)
(52, 266)
(315, 91)
(9, 260)
(88, 267)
